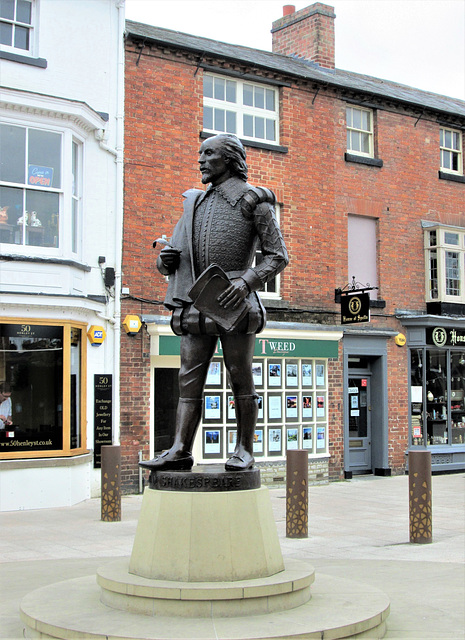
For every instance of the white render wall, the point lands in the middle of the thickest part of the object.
(82, 42)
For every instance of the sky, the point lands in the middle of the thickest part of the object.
(420, 43)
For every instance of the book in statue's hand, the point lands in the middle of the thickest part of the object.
(204, 295)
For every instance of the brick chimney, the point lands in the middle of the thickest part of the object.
(308, 33)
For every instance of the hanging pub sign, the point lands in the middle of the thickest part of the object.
(355, 308)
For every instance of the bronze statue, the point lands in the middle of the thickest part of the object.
(212, 292)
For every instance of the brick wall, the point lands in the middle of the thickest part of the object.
(317, 189)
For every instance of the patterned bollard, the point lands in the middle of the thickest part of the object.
(111, 483)
(297, 494)
(419, 477)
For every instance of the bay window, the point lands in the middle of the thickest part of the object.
(445, 264)
(39, 190)
(43, 366)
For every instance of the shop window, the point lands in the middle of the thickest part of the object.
(437, 398)
(359, 124)
(246, 109)
(293, 408)
(445, 264)
(39, 205)
(42, 367)
(450, 145)
(17, 25)
(362, 251)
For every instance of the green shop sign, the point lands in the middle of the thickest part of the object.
(269, 347)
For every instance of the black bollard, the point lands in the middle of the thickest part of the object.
(297, 494)
(419, 477)
(111, 483)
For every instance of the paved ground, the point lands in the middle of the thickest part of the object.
(357, 529)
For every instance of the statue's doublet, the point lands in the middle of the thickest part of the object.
(222, 235)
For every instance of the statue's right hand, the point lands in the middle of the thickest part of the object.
(170, 258)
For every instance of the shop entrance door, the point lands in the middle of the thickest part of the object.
(359, 404)
(166, 401)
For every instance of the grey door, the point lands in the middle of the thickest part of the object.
(359, 405)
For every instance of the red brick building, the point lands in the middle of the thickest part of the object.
(369, 179)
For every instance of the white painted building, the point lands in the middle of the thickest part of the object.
(61, 198)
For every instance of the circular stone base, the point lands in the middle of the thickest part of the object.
(284, 590)
(338, 609)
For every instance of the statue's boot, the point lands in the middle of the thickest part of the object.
(179, 457)
(246, 418)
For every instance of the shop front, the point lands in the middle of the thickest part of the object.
(437, 389)
(45, 460)
(366, 432)
(290, 371)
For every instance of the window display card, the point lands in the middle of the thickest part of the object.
(232, 440)
(257, 373)
(307, 407)
(214, 374)
(307, 438)
(258, 441)
(231, 408)
(260, 408)
(274, 375)
(320, 375)
(320, 406)
(212, 407)
(307, 375)
(291, 406)
(274, 440)
(291, 375)
(320, 438)
(212, 444)
(274, 407)
(292, 439)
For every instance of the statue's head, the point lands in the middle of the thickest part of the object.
(222, 156)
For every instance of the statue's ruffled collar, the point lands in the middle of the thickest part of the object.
(231, 190)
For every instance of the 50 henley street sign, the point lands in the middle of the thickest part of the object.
(267, 347)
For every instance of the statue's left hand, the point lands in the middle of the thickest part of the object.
(234, 294)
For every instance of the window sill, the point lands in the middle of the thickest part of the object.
(251, 143)
(16, 57)
(453, 177)
(63, 261)
(371, 162)
(445, 308)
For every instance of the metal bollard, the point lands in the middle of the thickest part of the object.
(111, 483)
(297, 494)
(419, 479)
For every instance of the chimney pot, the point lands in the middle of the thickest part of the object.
(288, 9)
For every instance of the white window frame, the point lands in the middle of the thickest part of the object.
(32, 50)
(360, 131)
(444, 264)
(65, 194)
(265, 293)
(239, 109)
(447, 152)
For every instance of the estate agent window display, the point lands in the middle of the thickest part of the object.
(292, 409)
(43, 366)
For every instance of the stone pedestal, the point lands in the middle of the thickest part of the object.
(205, 565)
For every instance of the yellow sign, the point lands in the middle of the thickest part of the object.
(96, 335)
(132, 325)
(400, 340)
